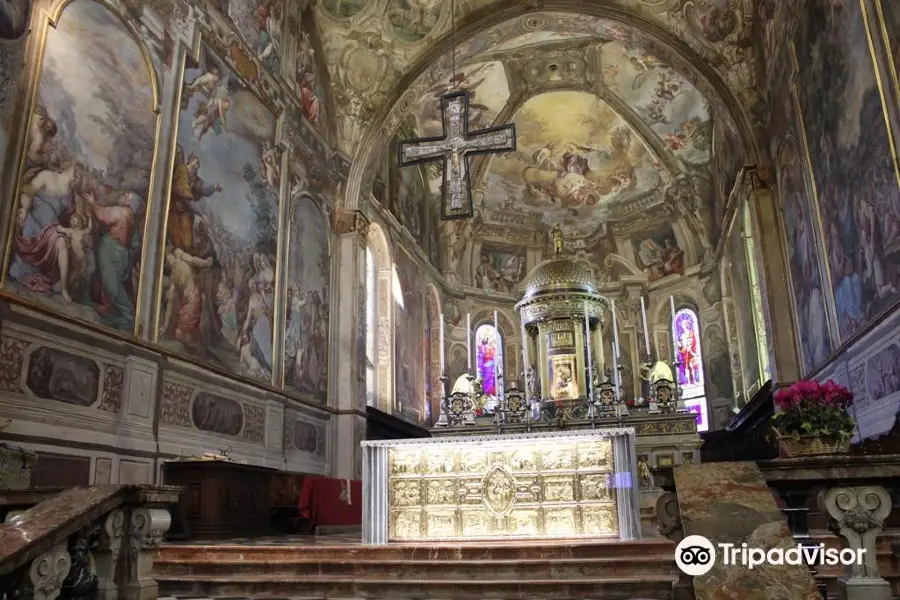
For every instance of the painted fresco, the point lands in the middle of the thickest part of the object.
(221, 230)
(883, 373)
(500, 268)
(574, 156)
(306, 332)
(727, 160)
(671, 106)
(434, 235)
(850, 148)
(88, 162)
(14, 18)
(488, 91)
(740, 289)
(625, 358)
(408, 197)
(408, 333)
(310, 73)
(412, 20)
(344, 8)
(889, 12)
(259, 23)
(717, 362)
(803, 260)
(659, 254)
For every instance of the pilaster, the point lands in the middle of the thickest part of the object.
(346, 388)
(774, 278)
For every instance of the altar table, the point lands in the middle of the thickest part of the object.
(561, 484)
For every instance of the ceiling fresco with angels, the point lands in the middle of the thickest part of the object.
(600, 119)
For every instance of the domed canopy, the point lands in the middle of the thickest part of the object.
(560, 274)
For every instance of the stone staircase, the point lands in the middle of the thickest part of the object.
(643, 570)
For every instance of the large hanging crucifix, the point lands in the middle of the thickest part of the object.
(455, 146)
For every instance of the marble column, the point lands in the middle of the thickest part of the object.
(347, 384)
(857, 515)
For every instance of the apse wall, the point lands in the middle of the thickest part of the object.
(835, 157)
(168, 271)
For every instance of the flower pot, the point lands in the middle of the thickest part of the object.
(811, 445)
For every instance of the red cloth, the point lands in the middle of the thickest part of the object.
(323, 501)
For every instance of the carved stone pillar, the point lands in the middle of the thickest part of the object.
(347, 372)
(47, 573)
(857, 514)
(146, 528)
(106, 556)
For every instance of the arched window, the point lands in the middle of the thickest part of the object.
(371, 286)
(689, 356)
(488, 357)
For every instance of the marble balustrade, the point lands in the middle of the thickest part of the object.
(97, 541)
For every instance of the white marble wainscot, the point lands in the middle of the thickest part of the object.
(203, 412)
(377, 477)
(74, 387)
(306, 439)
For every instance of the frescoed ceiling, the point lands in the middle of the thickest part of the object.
(603, 123)
(371, 45)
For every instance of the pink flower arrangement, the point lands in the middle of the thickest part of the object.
(810, 408)
(813, 392)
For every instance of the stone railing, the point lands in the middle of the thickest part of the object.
(84, 542)
(852, 493)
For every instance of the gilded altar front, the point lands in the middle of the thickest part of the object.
(544, 487)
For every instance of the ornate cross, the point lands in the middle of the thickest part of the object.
(454, 147)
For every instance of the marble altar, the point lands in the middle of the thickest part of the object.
(561, 484)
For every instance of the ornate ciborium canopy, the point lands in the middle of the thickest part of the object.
(561, 287)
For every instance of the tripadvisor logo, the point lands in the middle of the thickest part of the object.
(695, 555)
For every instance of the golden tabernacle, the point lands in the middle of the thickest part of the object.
(546, 485)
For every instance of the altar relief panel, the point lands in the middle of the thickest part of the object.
(559, 489)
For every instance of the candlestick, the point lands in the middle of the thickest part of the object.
(646, 331)
(497, 358)
(615, 346)
(443, 370)
(469, 339)
(673, 333)
(590, 363)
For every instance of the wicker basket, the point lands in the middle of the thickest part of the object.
(792, 447)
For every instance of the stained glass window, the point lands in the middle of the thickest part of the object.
(488, 357)
(371, 282)
(689, 355)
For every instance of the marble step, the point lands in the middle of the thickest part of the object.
(472, 588)
(524, 569)
(224, 552)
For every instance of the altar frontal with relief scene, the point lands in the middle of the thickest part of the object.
(540, 488)
(218, 295)
(78, 228)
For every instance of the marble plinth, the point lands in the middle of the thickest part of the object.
(731, 503)
(516, 486)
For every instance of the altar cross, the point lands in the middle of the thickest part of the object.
(454, 147)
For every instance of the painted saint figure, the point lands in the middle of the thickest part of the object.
(187, 188)
(486, 355)
(688, 348)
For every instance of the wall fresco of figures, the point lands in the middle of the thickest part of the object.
(409, 330)
(659, 255)
(222, 226)
(308, 299)
(889, 14)
(407, 196)
(850, 150)
(259, 23)
(500, 268)
(310, 71)
(89, 156)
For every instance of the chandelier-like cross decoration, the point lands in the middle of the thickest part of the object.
(455, 147)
